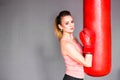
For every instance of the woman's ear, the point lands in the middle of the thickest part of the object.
(60, 27)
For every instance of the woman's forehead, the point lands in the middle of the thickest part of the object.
(67, 18)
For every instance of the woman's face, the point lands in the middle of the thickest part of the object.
(67, 24)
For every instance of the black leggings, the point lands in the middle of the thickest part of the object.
(67, 77)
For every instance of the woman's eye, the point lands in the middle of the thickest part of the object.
(72, 21)
(66, 23)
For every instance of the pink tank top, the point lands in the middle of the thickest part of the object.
(74, 68)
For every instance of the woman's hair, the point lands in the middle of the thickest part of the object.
(58, 31)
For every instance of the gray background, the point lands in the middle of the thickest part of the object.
(29, 49)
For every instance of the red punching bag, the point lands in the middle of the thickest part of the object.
(97, 18)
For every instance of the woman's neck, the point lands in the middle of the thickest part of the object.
(68, 36)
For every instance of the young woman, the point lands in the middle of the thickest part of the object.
(71, 49)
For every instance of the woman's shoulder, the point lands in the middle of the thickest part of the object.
(66, 45)
(65, 42)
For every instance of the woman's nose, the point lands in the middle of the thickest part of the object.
(72, 24)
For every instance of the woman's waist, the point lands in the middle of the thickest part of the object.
(74, 73)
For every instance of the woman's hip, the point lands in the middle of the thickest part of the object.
(68, 77)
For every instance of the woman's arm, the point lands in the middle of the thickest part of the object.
(71, 51)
